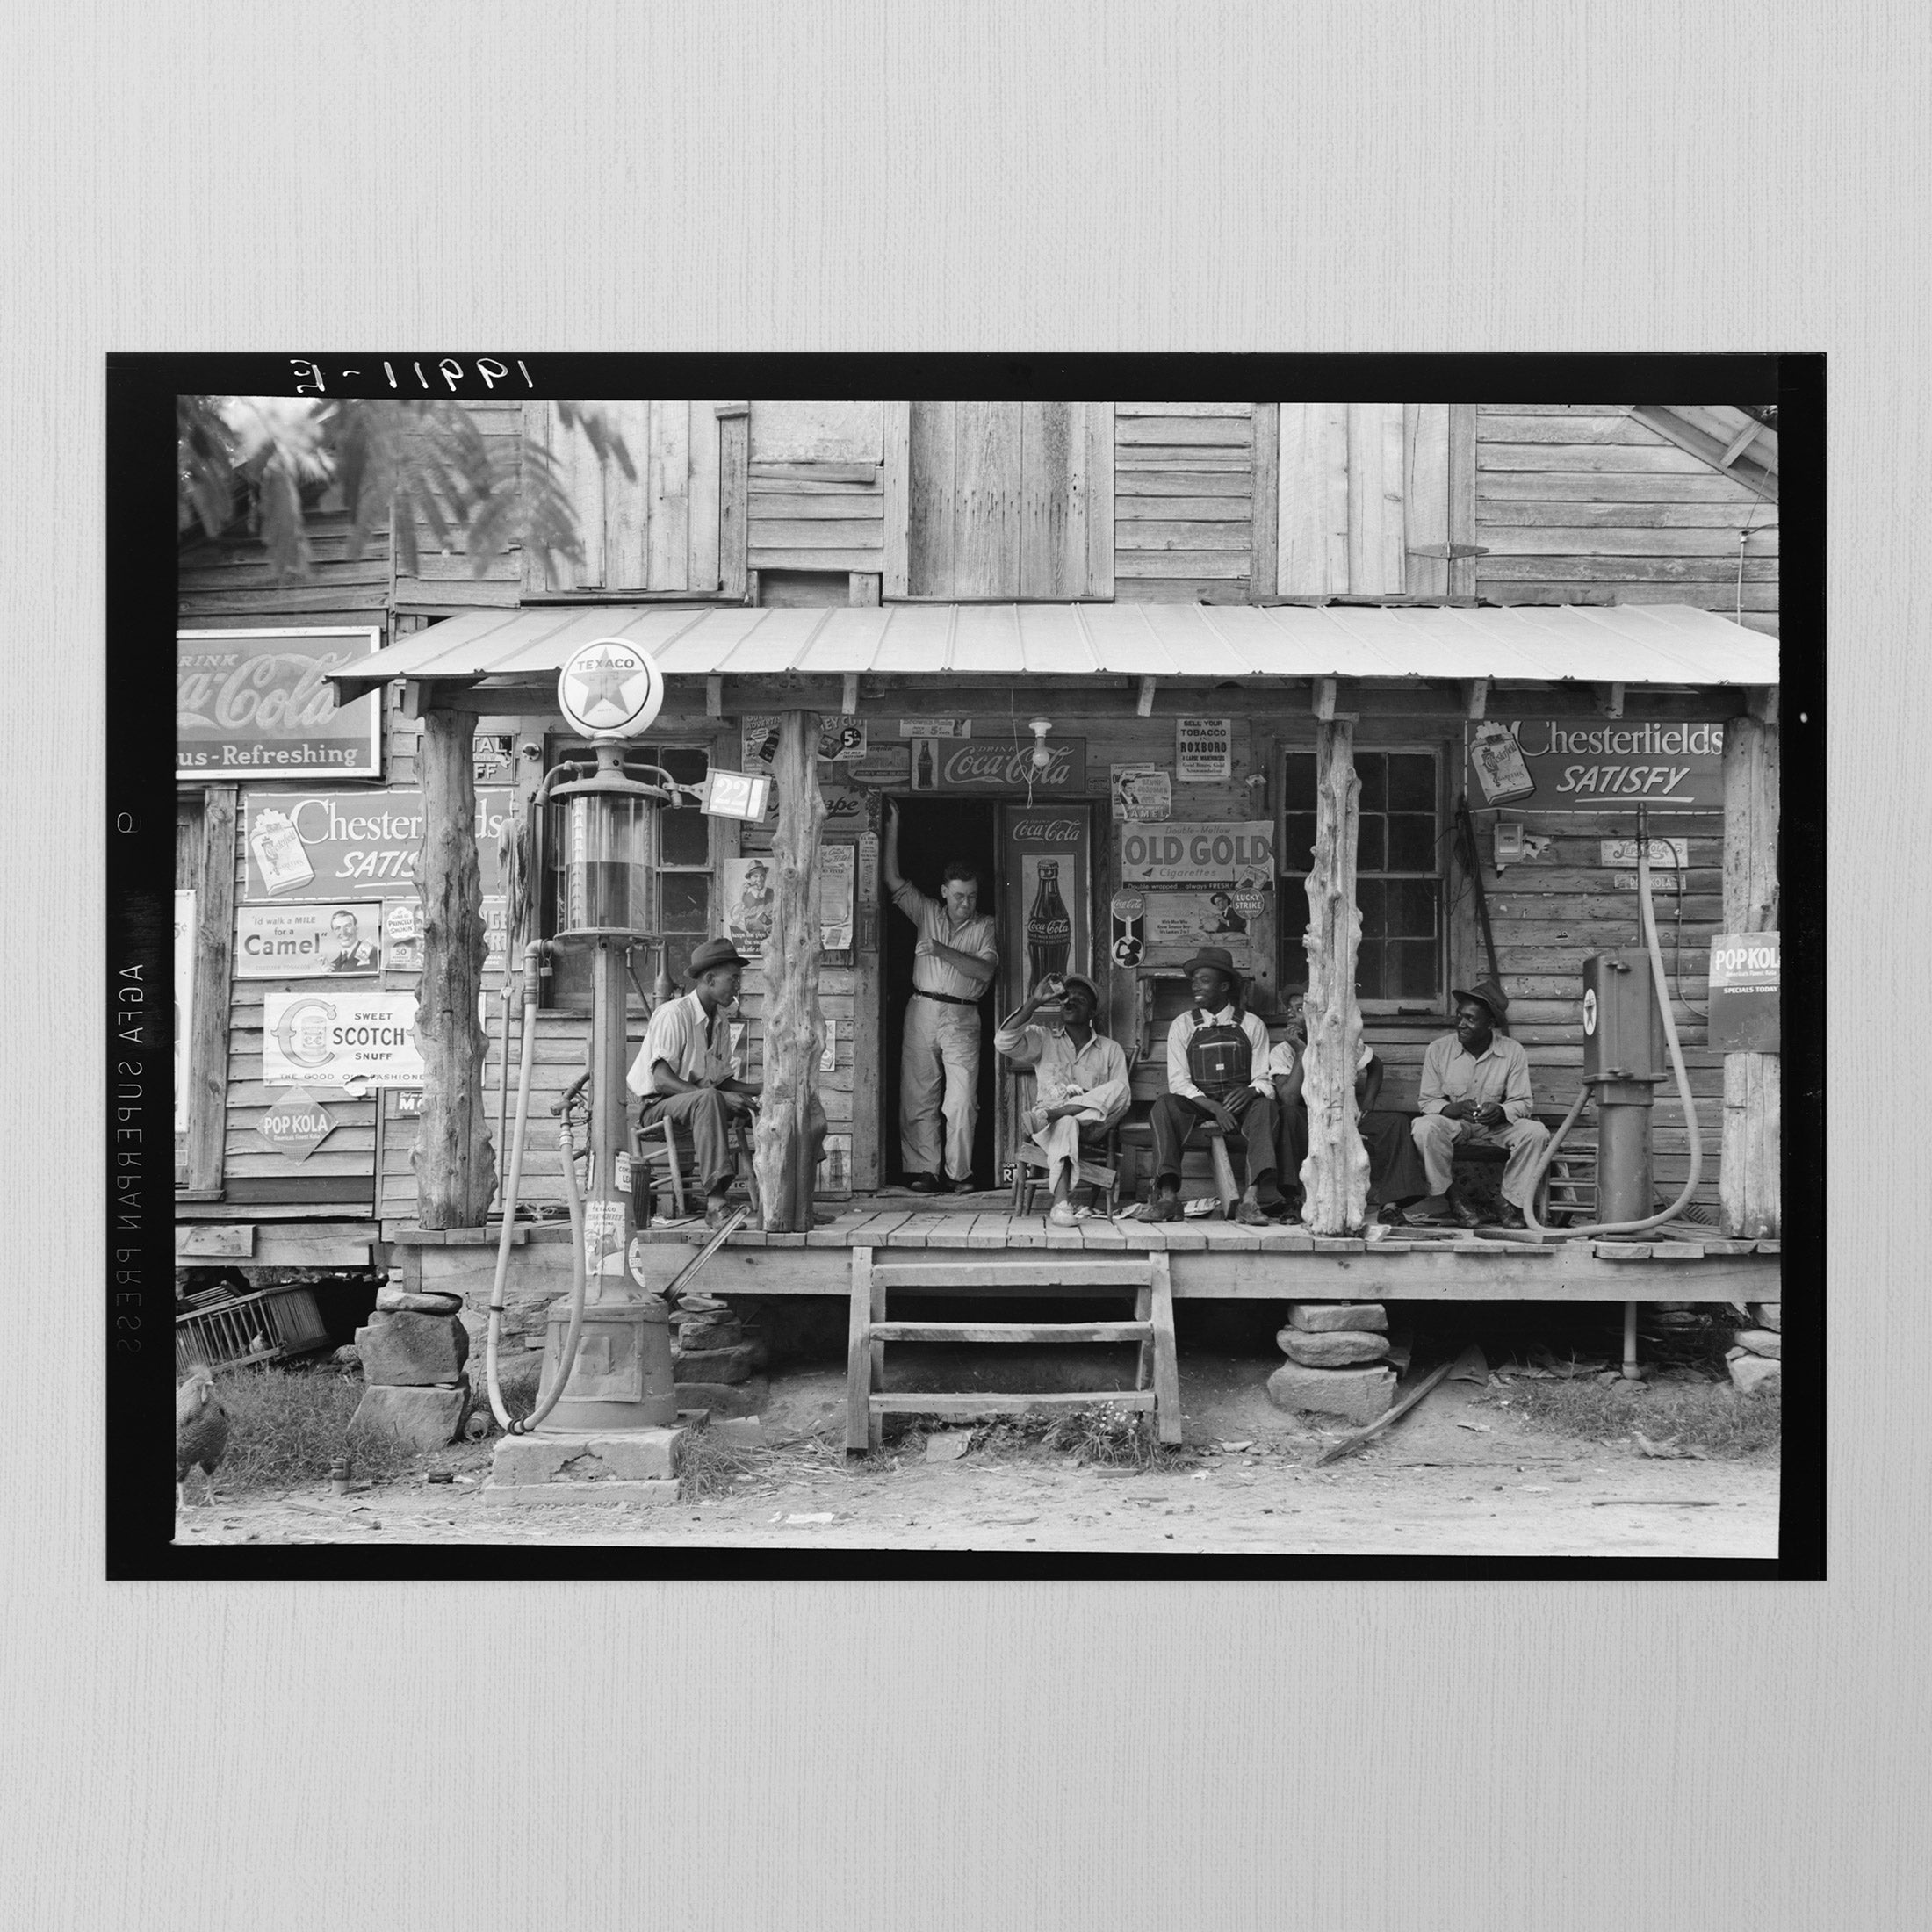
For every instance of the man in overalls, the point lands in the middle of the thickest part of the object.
(1217, 1070)
(939, 1062)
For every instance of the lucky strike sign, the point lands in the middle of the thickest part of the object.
(1237, 855)
(256, 701)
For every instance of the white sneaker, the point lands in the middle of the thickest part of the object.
(1062, 1215)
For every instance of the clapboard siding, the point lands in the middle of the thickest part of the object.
(1183, 502)
(1591, 505)
(236, 579)
(449, 578)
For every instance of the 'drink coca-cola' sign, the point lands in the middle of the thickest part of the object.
(998, 764)
(1049, 920)
(259, 702)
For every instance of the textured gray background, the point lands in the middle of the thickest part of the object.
(892, 177)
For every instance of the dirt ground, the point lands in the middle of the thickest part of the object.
(1459, 1475)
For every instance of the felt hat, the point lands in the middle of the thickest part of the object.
(1216, 956)
(710, 956)
(1488, 992)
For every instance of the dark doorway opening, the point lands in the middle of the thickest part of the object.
(933, 831)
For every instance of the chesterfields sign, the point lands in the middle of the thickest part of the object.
(1542, 764)
(259, 702)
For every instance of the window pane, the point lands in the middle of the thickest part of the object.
(1371, 848)
(1298, 842)
(1411, 908)
(1298, 782)
(688, 764)
(1370, 900)
(1411, 782)
(1372, 768)
(686, 902)
(687, 837)
(1411, 842)
(1413, 967)
(1371, 975)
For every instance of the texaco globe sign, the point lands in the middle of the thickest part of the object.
(610, 688)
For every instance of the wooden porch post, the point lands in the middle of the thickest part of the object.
(1749, 1190)
(1336, 1177)
(455, 1164)
(794, 1028)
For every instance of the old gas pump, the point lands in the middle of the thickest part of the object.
(607, 1347)
(1625, 1062)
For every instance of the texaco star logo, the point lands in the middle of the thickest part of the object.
(610, 688)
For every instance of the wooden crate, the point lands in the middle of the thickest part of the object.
(263, 1327)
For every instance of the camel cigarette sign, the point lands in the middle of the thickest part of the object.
(259, 702)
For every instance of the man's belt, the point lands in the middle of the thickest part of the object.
(945, 999)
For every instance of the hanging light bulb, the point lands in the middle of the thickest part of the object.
(1042, 756)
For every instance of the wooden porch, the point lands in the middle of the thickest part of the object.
(1210, 1260)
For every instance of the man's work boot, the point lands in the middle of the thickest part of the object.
(1163, 1208)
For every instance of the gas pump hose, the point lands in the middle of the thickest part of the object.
(532, 957)
(1676, 1067)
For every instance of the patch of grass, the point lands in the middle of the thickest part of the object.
(712, 1465)
(285, 1426)
(1103, 1434)
(1712, 1417)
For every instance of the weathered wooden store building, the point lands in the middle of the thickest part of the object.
(1200, 616)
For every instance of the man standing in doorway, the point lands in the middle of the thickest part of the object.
(953, 965)
(1217, 1071)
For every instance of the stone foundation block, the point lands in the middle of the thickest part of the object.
(1753, 1374)
(1353, 1394)
(588, 1458)
(1338, 1348)
(1323, 1317)
(399, 1300)
(719, 1365)
(410, 1351)
(710, 1331)
(1770, 1315)
(1761, 1342)
(744, 1398)
(424, 1418)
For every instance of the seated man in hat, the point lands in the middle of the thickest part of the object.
(1476, 1086)
(1395, 1174)
(1080, 1079)
(1217, 1070)
(683, 1071)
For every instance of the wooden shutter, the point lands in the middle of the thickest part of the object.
(1372, 496)
(1004, 500)
(655, 531)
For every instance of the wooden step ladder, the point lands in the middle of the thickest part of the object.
(1157, 1385)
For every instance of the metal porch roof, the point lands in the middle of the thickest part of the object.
(1627, 644)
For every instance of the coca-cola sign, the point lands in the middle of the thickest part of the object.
(979, 764)
(1048, 831)
(258, 702)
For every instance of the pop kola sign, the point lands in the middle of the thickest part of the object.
(1590, 765)
(329, 1040)
(260, 702)
(1237, 856)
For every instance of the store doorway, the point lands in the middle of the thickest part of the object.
(931, 831)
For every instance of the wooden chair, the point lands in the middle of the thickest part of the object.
(1135, 1141)
(1030, 1167)
(661, 1144)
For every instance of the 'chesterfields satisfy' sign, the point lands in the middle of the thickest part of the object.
(258, 701)
(1546, 764)
(339, 845)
